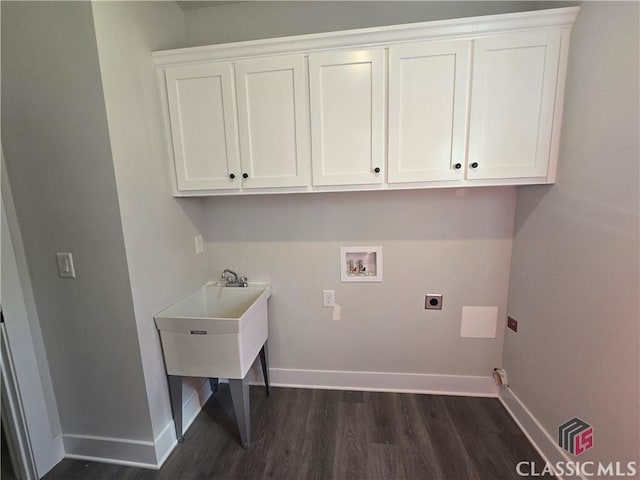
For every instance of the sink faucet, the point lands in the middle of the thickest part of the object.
(231, 279)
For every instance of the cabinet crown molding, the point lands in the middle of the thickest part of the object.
(471, 27)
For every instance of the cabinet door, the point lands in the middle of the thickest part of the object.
(428, 84)
(512, 103)
(273, 122)
(347, 117)
(203, 126)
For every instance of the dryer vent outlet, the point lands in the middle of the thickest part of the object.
(433, 301)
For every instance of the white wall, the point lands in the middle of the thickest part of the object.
(158, 230)
(574, 282)
(33, 380)
(454, 242)
(79, 79)
(58, 156)
(236, 21)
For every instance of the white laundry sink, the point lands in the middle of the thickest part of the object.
(216, 331)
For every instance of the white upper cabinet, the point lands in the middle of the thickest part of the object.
(273, 122)
(347, 117)
(428, 86)
(203, 125)
(513, 97)
(453, 103)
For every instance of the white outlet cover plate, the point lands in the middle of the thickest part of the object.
(199, 244)
(328, 298)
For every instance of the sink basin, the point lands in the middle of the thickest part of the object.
(216, 331)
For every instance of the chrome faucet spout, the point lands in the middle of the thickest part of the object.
(232, 280)
(229, 275)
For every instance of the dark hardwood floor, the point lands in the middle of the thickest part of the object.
(324, 434)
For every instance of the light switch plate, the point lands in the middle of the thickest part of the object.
(65, 265)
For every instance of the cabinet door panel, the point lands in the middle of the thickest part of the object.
(512, 103)
(273, 122)
(347, 117)
(427, 111)
(202, 125)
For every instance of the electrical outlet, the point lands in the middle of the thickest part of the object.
(433, 301)
(328, 298)
(199, 244)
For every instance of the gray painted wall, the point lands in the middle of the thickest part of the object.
(457, 243)
(59, 164)
(25, 342)
(574, 279)
(255, 20)
(159, 230)
(87, 161)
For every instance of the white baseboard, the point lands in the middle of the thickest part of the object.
(50, 456)
(191, 408)
(384, 382)
(534, 431)
(152, 454)
(164, 444)
(120, 451)
(136, 453)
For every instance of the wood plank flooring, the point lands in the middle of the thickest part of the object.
(342, 435)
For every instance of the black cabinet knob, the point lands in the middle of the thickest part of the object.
(474, 165)
(232, 176)
(245, 175)
(377, 169)
(458, 166)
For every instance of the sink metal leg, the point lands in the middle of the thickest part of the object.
(175, 394)
(213, 383)
(265, 366)
(240, 398)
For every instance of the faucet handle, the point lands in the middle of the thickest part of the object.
(244, 281)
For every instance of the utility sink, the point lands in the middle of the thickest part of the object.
(215, 332)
